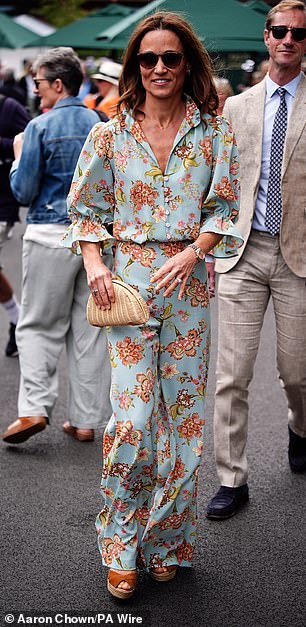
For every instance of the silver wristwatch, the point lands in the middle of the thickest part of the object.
(197, 251)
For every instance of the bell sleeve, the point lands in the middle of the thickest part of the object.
(91, 199)
(220, 204)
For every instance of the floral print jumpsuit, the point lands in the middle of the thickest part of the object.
(153, 443)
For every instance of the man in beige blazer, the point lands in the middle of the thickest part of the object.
(270, 128)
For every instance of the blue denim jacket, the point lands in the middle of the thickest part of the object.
(52, 144)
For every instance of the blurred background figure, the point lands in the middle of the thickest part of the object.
(88, 86)
(106, 80)
(13, 119)
(261, 72)
(248, 67)
(224, 90)
(26, 83)
(10, 88)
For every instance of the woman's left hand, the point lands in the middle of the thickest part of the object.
(176, 271)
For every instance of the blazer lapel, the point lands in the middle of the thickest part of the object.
(296, 122)
(254, 110)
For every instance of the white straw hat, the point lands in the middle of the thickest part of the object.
(108, 71)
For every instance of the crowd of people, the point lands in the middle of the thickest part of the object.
(169, 179)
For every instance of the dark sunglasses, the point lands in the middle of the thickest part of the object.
(36, 81)
(280, 32)
(171, 60)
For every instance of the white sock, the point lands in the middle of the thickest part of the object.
(12, 307)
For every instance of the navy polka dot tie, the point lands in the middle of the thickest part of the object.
(274, 193)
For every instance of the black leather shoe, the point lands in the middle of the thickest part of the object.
(296, 452)
(227, 502)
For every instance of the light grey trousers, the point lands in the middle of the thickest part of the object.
(53, 315)
(243, 296)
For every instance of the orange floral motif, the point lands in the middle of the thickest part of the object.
(108, 442)
(129, 352)
(103, 142)
(175, 520)
(88, 227)
(184, 552)
(190, 111)
(82, 194)
(178, 471)
(119, 469)
(168, 371)
(191, 427)
(120, 505)
(197, 291)
(112, 548)
(184, 150)
(185, 345)
(142, 194)
(142, 515)
(225, 189)
(234, 167)
(125, 433)
(107, 195)
(206, 149)
(144, 255)
(172, 248)
(125, 400)
(146, 381)
(184, 399)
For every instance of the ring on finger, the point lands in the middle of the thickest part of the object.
(178, 279)
(94, 291)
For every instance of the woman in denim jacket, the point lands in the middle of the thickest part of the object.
(54, 289)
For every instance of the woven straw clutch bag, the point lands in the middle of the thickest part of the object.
(129, 308)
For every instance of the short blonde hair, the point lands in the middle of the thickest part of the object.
(284, 5)
(223, 85)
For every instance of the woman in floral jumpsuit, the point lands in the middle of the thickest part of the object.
(164, 172)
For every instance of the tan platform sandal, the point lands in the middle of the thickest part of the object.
(114, 579)
(167, 575)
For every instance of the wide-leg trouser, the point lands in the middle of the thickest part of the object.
(53, 315)
(244, 293)
(154, 440)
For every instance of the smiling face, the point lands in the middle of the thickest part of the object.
(160, 81)
(286, 54)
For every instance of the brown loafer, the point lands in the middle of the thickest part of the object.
(23, 428)
(83, 435)
(167, 575)
(114, 579)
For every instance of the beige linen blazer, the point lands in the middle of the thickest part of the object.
(246, 115)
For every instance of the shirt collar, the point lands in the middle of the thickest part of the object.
(192, 118)
(290, 87)
(68, 101)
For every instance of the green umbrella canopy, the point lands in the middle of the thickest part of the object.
(12, 35)
(259, 5)
(82, 33)
(223, 26)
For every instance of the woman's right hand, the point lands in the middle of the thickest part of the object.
(99, 276)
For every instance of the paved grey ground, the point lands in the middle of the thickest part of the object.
(248, 571)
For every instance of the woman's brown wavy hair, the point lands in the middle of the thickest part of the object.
(199, 83)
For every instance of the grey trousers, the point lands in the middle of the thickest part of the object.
(244, 293)
(53, 315)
